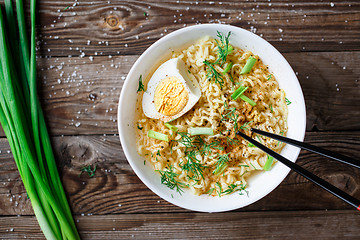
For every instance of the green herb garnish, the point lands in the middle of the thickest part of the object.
(141, 85)
(138, 127)
(66, 8)
(248, 65)
(224, 48)
(221, 163)
(212, 74)
(287, 101)
(168, 179)
(269, 77)
(88, 169)
(268, 163)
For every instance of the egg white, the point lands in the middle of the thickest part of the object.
(173, 67)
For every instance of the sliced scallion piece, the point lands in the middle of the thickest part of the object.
(248, 65)
(171, 127)
(228, 67)
(158, 136)
(248, 100)
(238, 92)
(268, 163)
(201, 131)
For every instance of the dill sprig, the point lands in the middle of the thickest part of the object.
(89, 170)
(287, 101)
(212, 74)
(224, 48)
(235, 188)
(221, 163)
(193, 166)
(229, 113)
(168, 179)
(245, 126)
(141, 85)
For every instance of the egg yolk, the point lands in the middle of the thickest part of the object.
(170, 96)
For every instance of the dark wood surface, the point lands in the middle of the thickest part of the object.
(93, 45)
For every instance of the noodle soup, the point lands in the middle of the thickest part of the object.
(220, 163)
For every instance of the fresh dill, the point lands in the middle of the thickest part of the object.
(141, 85)
(219, 190)
(212, 74)
(211, 190)
(229, 113)
(253, 166)
(224, 49)
(221, 163)
(234, 188)
(245, 126)
(139, 127)
(158, 153)
(168, 179)
(271, 108)
(193, 166)
(145, 14)
(231, 141)
(269, 77)
(89, 170)
(189, 71)
(66, 8)
(144, 162)
(287, 101)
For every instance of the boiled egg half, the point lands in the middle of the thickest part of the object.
(171, 91)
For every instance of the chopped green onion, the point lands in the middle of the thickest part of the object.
(248, 100)
(158, 136)
(220, 168)
(248, 65)
(201, 131)
(228, 67)
(268, 163)
(238, 92)
(171, 127)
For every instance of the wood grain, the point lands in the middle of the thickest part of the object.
(339, 224)
(129, 27)
(116, 189)
(80, 96)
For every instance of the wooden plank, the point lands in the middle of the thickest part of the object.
(121, 26)
(116, 189)
(231, 225)
(80, 95)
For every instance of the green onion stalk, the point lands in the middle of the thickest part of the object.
(23, 122)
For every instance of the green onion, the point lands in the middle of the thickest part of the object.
(228, 67)
(201, 131)
(248, 65)
(248, 100)
(158, 136)
(24, 125)
(238, 92)
(171, 127)
(268, 163)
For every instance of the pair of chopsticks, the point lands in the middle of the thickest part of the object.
(303, 172)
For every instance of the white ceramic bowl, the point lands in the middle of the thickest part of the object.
(259, 185)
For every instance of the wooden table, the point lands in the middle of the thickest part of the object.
(86, 51)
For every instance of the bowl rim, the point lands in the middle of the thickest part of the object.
(122, 99)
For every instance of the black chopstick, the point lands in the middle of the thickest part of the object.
(333, 155)
(303, 172)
